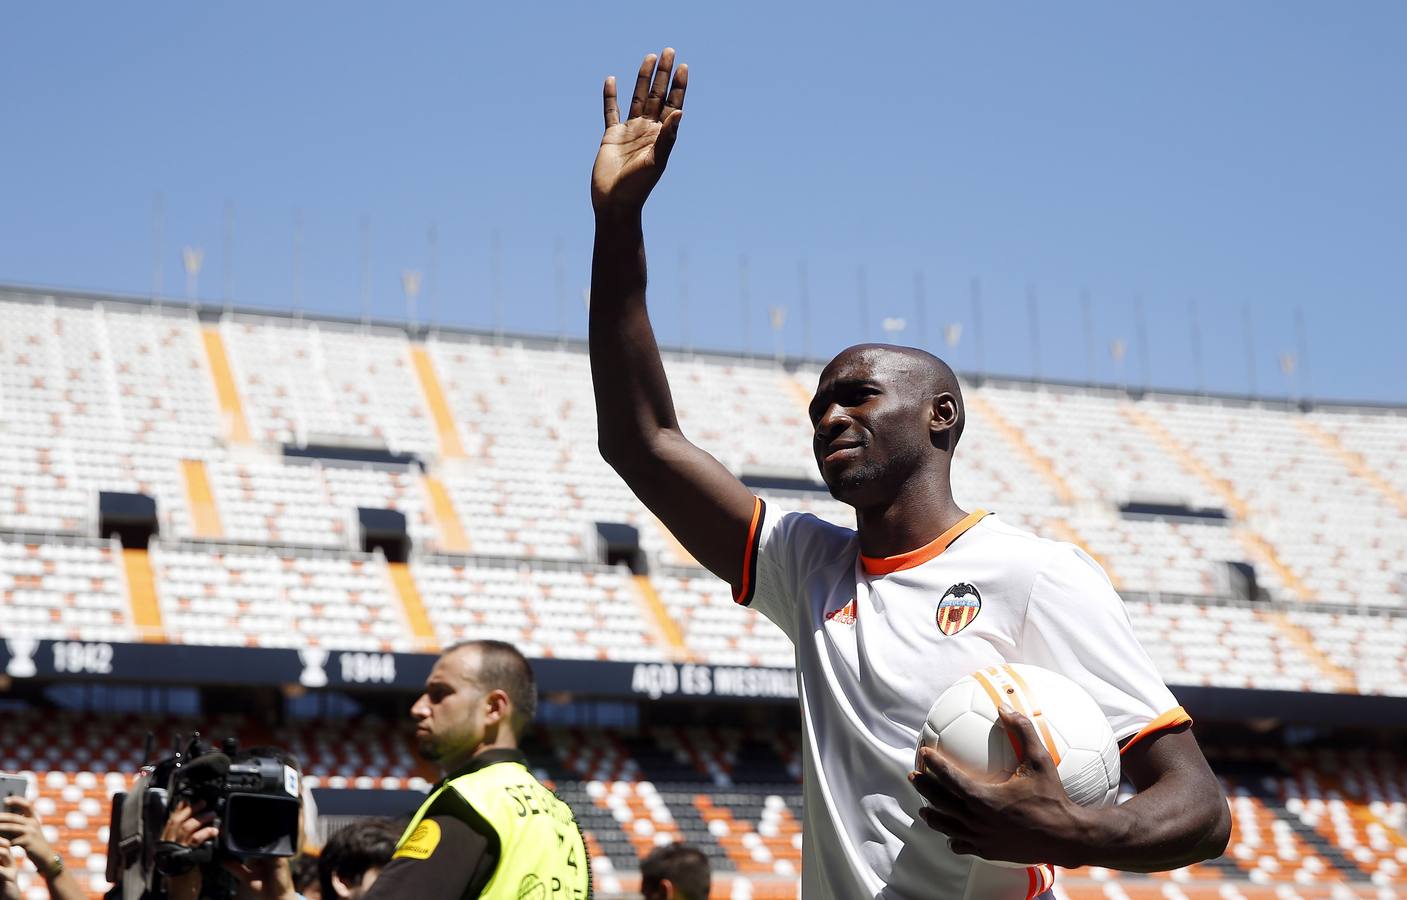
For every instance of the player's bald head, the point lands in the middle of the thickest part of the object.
(917, 373)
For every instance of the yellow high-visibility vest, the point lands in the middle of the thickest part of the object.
(541, 852)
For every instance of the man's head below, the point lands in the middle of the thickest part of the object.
(354, 856)
(480, 695)
(675, 872)
(883, 414)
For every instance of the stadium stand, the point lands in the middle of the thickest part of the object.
(313, 382)
(270, 597)
(1305, 822)
(259, 436)
(63, 588)
(565, 611)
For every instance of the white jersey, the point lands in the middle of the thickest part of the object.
(878, 640)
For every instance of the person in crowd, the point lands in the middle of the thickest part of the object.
(305, 876)
(354, 856)
(675, 871)
(20, 827)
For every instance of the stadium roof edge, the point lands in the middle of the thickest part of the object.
(213, 312)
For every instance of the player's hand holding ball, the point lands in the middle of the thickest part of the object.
(1011, 760)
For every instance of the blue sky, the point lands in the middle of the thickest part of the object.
(1246, 158)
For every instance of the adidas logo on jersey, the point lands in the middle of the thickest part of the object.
(845, 615)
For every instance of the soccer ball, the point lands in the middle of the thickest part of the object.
(963, 725)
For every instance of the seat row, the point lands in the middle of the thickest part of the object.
(254, 595)
(1305, 822)
(116, 395)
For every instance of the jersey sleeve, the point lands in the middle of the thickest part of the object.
(783, 547)
(1077, 625)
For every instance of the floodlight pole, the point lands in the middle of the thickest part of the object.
(1033, 320)
(158, 213)
(1196, 346)
(1287, 366)
(191, 259)
(921, 308)
(1087, 315)
(778, 317)
(1248, 325)
(684, 336)
(1302, 340)
(864, 295)
(496, 282)
(1141, 335)
(803, 275)
(410, 285)
(744, 304)
(227, 255)
(364, 264)
(432, 273)
(559, 279)
(1118, 348)
(977, 321)
(298, 263)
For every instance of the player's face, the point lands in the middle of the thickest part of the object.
(870, 431)
(449, 715)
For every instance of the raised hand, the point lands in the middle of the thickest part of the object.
(633, 153)
(1028, 818)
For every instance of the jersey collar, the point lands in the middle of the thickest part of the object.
(489, 758)
(883, 565)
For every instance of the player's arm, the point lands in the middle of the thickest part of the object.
(1179, 816)
(697, 499)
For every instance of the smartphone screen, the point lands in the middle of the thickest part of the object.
(13, 786)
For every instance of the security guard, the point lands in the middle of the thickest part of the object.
(489, 829)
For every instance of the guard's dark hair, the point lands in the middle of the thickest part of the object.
(684, 865)
(503, 667)
(352, 851)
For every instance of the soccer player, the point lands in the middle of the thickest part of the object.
(888, 615)
(489, 829)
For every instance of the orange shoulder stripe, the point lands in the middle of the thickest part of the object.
(743, 596)
(1171, 719)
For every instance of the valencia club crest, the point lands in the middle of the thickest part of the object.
(960, 605)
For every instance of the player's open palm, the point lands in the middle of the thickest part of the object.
(634, 152)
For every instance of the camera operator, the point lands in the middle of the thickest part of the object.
(190, 826)
(20, 827)
(259, 879)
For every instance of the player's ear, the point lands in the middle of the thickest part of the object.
(943, 420)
